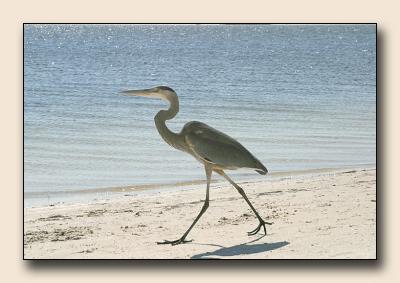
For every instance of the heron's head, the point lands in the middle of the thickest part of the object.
(163, 92)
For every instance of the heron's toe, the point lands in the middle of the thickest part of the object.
(181, 242)
(175, 242)
(258, 228)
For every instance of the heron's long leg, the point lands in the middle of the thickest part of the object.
(203, 209)
(242, 193)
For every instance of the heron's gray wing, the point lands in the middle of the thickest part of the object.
(219, 148)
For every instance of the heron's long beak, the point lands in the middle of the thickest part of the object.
(139, 92)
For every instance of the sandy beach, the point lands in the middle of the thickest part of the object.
(323, 215)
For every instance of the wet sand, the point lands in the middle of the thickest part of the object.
(328, 214)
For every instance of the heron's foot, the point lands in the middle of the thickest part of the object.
(176, 242)
(261, 224)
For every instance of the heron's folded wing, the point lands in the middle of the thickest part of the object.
(218, 148)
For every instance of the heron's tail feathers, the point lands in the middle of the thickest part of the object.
(261, 169)
(261, 172)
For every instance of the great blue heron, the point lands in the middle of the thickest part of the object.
(216, 150)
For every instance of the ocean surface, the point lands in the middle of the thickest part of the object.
(297, 96)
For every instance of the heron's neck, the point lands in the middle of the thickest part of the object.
(173, 139)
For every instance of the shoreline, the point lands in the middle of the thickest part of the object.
(105, 193)
(326, 215)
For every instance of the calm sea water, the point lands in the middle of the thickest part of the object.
(297, 96)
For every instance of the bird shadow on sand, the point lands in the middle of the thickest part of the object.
(242, 249)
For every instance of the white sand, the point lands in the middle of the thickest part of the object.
(324, 215)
